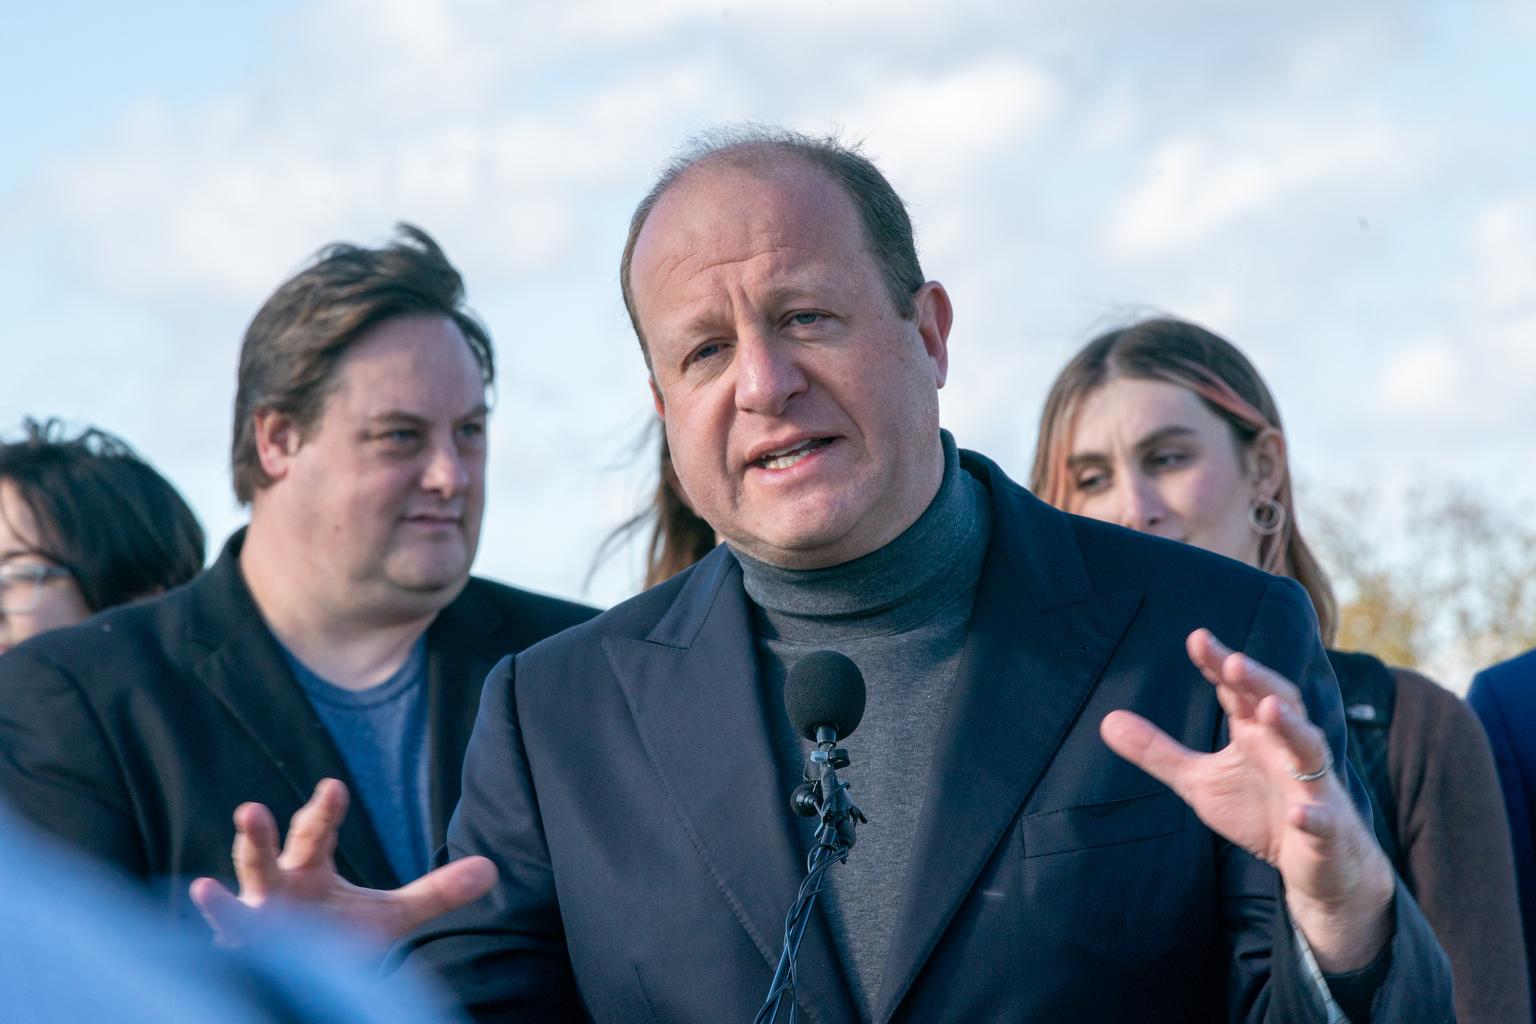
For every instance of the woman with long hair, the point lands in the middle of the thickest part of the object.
(1166, 428)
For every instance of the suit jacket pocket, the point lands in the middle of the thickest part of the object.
(1104, 824)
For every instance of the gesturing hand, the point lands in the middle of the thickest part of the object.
(304, 873)
(1269, 791)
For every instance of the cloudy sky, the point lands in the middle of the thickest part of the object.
(1345, 190)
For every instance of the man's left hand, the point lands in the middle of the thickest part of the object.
(1263, 792)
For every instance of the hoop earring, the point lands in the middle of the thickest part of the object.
(1266, 516)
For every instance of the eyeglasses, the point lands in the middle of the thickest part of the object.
(21, 586)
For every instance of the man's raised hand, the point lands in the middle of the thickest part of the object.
(303, 873)
(1270, 791)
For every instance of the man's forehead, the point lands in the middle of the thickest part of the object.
(407, 355)
(782, 218)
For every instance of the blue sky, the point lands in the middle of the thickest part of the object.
(1346, 191)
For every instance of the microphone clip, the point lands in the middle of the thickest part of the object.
(823, 795)
(829, 755)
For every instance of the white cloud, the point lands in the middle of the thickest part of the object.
(1512, 346)
(1329, 60)
(460, 46)
(624, 19)
(226, 201)
(947, 138)
(1196, 186)
(947, 121)
(1027, 138)
(1422, 380)
(1503, 246)
(1473, 380)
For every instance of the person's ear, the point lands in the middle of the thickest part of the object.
(277, 442)
(657, 400)
(1266, 463)
(933, 314)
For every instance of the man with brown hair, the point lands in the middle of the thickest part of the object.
(339, 636)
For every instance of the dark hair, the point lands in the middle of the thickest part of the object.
(887, 228)
(291, 348)
(679, 537)
(1192, 357)
(119, 527)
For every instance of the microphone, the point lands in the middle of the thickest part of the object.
(825, 690)
(824, 696)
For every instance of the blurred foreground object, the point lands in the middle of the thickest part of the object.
(78, 946)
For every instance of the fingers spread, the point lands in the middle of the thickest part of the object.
(1234, 702)
(1241, 683)
(1212, 658)
(225, 914)
(1256, 681)
(449, 887)
(1207, 653)
(313, 831)
(255, 852)
(1304, 743)
(1148, 748)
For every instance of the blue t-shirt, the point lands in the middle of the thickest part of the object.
(382, 735)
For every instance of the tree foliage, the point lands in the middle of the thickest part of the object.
(1444, 581)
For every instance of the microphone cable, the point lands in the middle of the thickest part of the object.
(829, 850)
(824, 698)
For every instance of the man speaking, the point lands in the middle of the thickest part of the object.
(1032, 853)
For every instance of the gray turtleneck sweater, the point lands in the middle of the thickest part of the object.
(901, 614)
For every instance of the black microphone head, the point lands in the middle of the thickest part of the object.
(824, 688)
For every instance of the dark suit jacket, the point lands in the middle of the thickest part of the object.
(623, 777)
(136, 734)
(1504, 697)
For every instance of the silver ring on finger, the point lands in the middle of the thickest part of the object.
(1327, 767)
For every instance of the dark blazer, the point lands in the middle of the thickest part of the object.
(136, 734)
(623, 777)
(1504, 697)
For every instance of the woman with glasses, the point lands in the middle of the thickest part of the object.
(85, 524)
(1166, 428)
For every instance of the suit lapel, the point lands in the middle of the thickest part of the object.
(1037, 642)
(246, 671)
(456, 670)
(693, 688)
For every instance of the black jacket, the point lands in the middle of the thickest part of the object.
(623, 777)
(136, 734)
